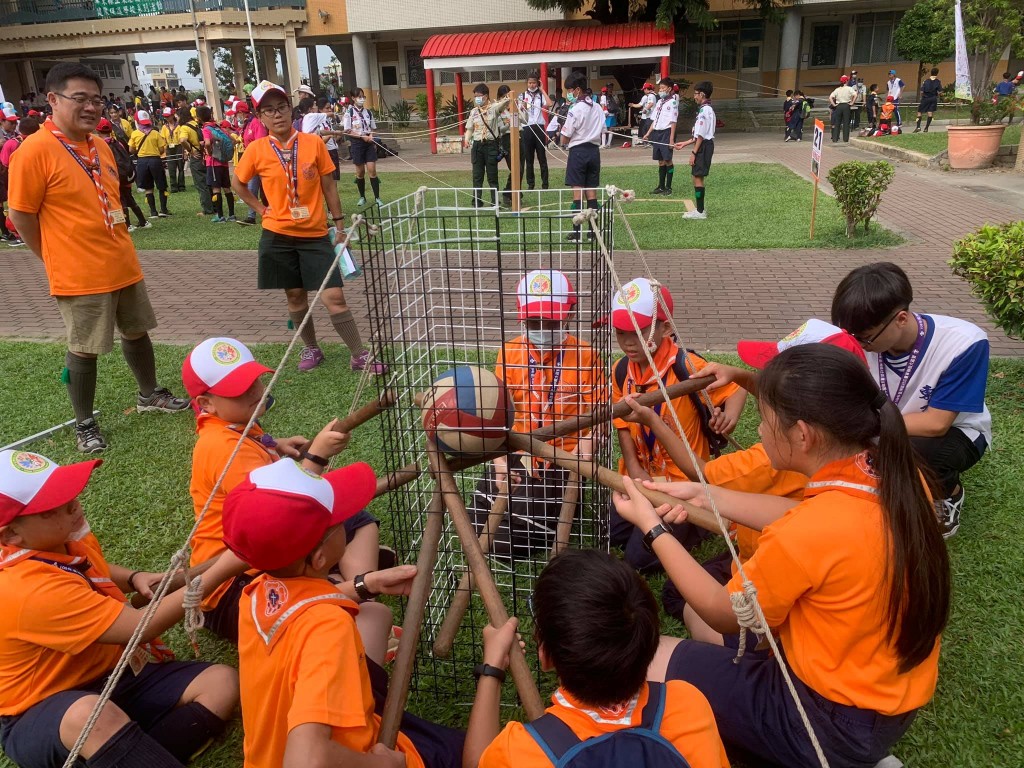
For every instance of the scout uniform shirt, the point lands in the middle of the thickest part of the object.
(705, 123)
(484, 123)
(647, 102)
(820, 572)
(664, 114)
(360, 120)
(532, 106)
(844, 94)
(584, 124)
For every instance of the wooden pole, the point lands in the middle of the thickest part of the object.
(814, 206)
(567, 513)
(514, 152)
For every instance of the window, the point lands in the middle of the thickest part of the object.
(825, 45)
(443, 78)
(873, 34)
(389, 75)
(718, 50)
(414, 67)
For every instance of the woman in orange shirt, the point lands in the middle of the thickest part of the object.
(862, 641)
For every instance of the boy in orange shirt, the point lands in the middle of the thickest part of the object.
(643, 456)
(63, 629)
(596, 625)
(551, 375)
(306, 689)
(295, 253)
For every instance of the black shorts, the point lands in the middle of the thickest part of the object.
(702, 162)
(218, 176)
(32, 739)
(295, 262)
(928, 105)
(660, 148)
(583, 168)
(337, 163)
(363, 152)
(149, 172)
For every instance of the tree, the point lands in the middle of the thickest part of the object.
(991, 27)
(224, 69)
(925, 35)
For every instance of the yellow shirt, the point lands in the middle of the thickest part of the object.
(150, 144)
(169, 135)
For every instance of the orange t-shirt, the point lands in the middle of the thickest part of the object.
(80, 254)
(751, 471)
(551, 385)
(313, 162)
(652, 456)
(820, 572)
(217, 439)
(688, 724)
(49, 627)
(309, 667)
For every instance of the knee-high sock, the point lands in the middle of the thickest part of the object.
(345, 324)
(928, 124)
(230, 196)
(375, 186)
(186, 730)
(669, 170)
(698, 196)
(138, 353)
(151, 201)
(163, 200)
(361, 186)
(918, 121)
(575, 207)
(81, 382)
(309, 332)
(661, 176)
(131, 747)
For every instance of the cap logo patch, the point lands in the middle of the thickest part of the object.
(540, 286)
(630, 294)
(795, 334)
(277, 596)
(225, 354)
(24, 461)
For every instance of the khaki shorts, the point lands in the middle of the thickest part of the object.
(90, 320)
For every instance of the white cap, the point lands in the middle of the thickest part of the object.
(142, 117)
(545, 293)
(305, 89)
(263, 89)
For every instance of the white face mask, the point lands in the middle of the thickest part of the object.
(543, 338)
(479, 100)
(533, 88)
(662, 94)
(360, 102)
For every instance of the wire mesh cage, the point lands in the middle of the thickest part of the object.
(442, 276)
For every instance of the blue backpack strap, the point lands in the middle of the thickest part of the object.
(654, 709)
(554, 736)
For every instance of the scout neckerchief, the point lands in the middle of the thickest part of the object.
(535, 373)
(273, 602)
(529, 103)
(92, 169)
(638, 381)
(290, 166)
(912, 361)
(360, 118)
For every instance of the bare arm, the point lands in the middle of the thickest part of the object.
(247, 197)
(330, 189)
(932, 422)
(27, 225)
(485, 717)
(310, 746)
(629, 457)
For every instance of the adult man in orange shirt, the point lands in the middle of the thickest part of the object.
(65, 202)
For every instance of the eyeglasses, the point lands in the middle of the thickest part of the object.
(81, 101)
(281, 110)
(868, 342)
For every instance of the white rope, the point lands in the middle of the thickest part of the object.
(750, 614)
(180, 559)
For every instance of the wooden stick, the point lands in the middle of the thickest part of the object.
(567, 513)
(445, 638)
(525, 684)
(366, 412)
(606, 477)
(396, 479)
(415, 609)
(177, 581)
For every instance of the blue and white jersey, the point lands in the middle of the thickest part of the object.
(951, 375)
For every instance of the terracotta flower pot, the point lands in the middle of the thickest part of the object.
(974, 146)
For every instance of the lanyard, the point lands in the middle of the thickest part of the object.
(915, 355)
(78, 570)
(556, 378)
(291, 167)
(647, 435)
(92, 170)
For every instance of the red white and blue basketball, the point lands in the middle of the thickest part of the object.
(468, 411)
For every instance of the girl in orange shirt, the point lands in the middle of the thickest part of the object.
(862, 641)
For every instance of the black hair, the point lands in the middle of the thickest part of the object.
(184, 114)
(873, 87)
(357, 93)
(322, 102)
(1007, 76)
(482, 89)
(534, 75)
(57, 78)
(789, 93)
(27, 126)
(798, 92)
(667, 81)
(830, 389)
(305, 104)
(577, 80)
(502, 90)
(935, 70)
(705, 87)
(869, 295)
(598, 623)
(204, 114)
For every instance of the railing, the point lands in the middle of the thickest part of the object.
(49, 11)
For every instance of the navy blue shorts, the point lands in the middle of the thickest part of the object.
(32, 739)
(583, 168)
(218, 176)
(363, 152)
(660, 148)
(719, 566)
(759, 721)
(630, 539)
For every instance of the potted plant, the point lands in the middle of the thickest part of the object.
(989, 260)
(976, 145)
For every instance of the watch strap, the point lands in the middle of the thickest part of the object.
(363, 591)
(486, 670)
(318, 460)
(654, 533)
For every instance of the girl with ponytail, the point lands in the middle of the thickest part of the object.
(854, 580)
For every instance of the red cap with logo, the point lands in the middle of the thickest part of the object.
(545, 293)
(758, 353)
(104, 126)
(31, 484)
(639, 297)
(281, 512)
(220, 366)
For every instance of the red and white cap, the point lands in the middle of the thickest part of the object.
(639, 296)
(241, 106)
(263, 89)
(167, 112)
(220, 366)
(199, 103)
(844, 79)
(142, 117)
(545, 293)
(758, 353)
(31, 484)
(281, 512)
(9, 113)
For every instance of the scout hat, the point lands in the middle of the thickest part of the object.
(220, 366)
(31, 484)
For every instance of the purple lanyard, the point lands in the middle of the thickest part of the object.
(915, 355)
(291, 170)
(556, 377)
(647, 434)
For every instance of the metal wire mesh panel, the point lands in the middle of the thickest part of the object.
(441, 277)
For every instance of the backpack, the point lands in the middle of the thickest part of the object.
(223, 145)
(125, 167)
(805, 109)
(716, 442)
(640, 745)
(613, 105)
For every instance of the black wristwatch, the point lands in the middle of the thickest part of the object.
(318, 460)
(654, 533)
(363, 591)
(486, 670)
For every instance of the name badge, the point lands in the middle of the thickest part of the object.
(300, 212)
(138, 660)
(117, 216)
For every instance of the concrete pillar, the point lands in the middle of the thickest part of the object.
(360, 63)
(208, 72)
(544, 77)
(314, 70)
(666, 65)
(460, 99)
(238, 68)
(269, 68)
(431, 110)
(28, 78)
(789, 46)
(291, 61)
(348, 66)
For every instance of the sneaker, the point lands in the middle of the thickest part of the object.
(218, 220)
(361, 202)
(394, 639)
(658, 191)
(164, 214)
(131, 227)
(14, 242)
(90, 439)
(232, 218)
(162, 400)
(360, 361)
(789, 139)
(154, 215)
(248, 221)
(917, 130)
(799, 139)
(310, 358)
(144, 225)
(573, 237)
(695, 214)
(949, 513)
(667, 192)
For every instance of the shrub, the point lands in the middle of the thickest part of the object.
(421, 103)
(859, 187)
(399, 114)
(990, 260)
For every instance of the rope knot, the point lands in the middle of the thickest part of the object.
(194, 619)
(744, 605)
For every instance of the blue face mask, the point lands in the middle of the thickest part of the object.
(570, 97)
(479, 100)
(544, 338)
(662, 94)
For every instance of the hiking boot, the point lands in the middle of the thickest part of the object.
(949, 513)
(310, 358)
(695, 214)
(90, 439)
(362, 360)
(163, 401)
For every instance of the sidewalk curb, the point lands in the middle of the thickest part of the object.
(898, 153)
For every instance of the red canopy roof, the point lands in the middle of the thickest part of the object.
(553, 40)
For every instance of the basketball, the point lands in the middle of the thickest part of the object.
(468, 411)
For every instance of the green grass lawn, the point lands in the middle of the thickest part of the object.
(932, 143)
(139, 506)
(750, 206)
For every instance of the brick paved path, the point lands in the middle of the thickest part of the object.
(728, 294)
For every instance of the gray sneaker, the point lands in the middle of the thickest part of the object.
(949, 513)
(90, 439)
(163, 401)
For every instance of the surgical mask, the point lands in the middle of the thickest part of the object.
(570, 97)
(479, 100)
(360, 102)
(544, 338)
(662, 94)
(533, 89)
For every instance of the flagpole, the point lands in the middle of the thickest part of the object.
(963, 70)
(252, 43)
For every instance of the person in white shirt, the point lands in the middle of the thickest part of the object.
(533, 106)
(662, 135)
(318, 122)
(582, 132)
(704, 145)
(645, 105)
(895, 90)
(359, 125)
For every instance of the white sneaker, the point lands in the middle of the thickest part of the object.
(949, 513)
(695, 214)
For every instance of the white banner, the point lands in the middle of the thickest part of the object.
(963, 70)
